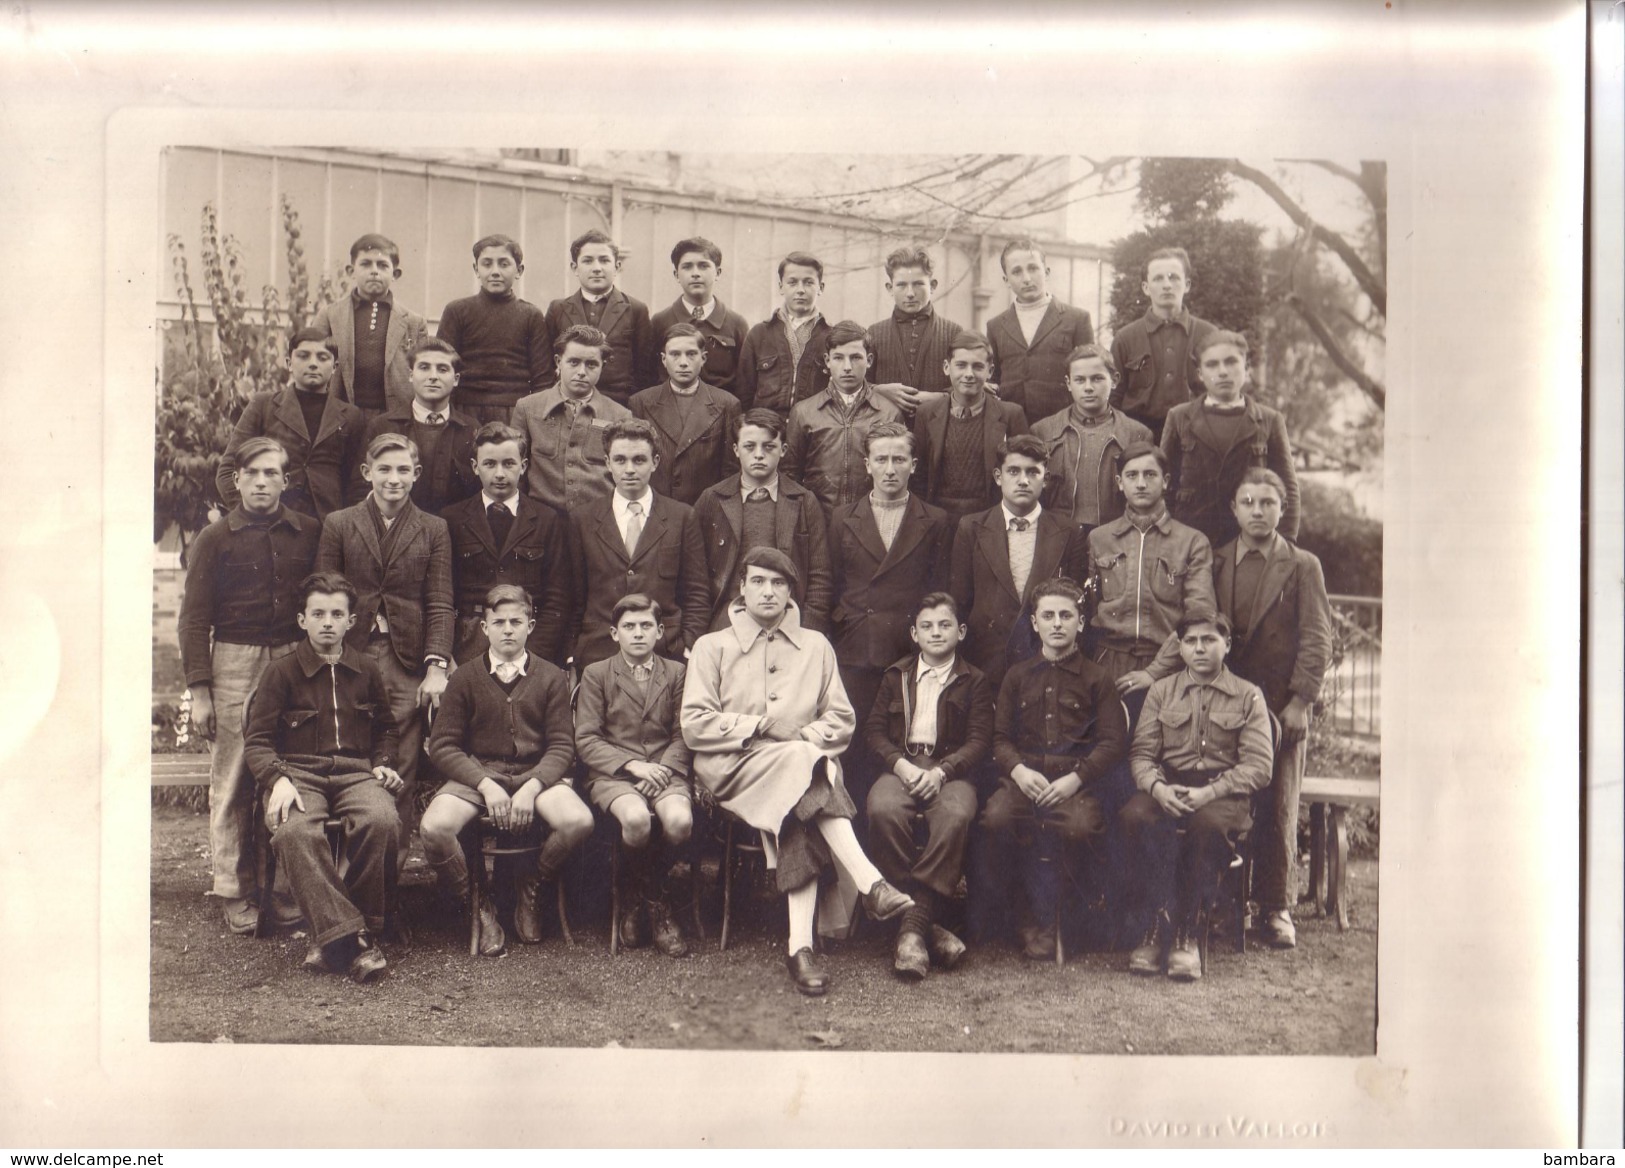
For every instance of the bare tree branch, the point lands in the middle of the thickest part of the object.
(1373, 287)
(1372, 388)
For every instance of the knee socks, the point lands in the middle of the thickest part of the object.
(802, 904)
(848, 853)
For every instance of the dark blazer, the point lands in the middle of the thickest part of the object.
(537, 556)
(1000, 629)
(614, 726)
(964, 718)
(413, 588)
(1001, 419)
(877, 588)
(669, 565)
(768, 378)
(407, 330)
(724, 332)
(799, 532)
(1288, 644)
(1204, 472)
(320, 469)
(1034, 376)
(692, 456)
(626, 323)
(448, 474)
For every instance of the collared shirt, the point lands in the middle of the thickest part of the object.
(511, 503)
(599, 299)
(1059, 710)
(621, 506)
(1083, 446)
(242, 584)
(420, 413)
(1250, 565)
(971, 411)
(798, 330)
(1022, 545)
(640, 673)
(705, 312)
(824, 443)
(1147, 580)
(929, 682)
(1218, 728)
(746, 487)
(518, 667)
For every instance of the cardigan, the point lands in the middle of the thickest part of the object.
(482, 731)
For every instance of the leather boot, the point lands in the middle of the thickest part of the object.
(1150, 954)
(1185, 958)
(527, 907)
(452, 876)
(668, 937)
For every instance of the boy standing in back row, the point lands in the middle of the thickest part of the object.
(503, 340)
(1031, 338)
(595, 261)
(376, 337)
(1156, 354)
(782, 362)
(697, 265)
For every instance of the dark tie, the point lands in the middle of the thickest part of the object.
(699, 314)
(1020, 524)
(501, 523)
(758, 495)
(437, 419)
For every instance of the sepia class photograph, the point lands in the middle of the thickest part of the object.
(680, 600)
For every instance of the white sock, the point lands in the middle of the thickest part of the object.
(802, 903)
(848, 853)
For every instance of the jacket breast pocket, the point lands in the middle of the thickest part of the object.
(668, 562)
(1112, 572)
(293, 719)
(1176, 727)
(1138, 369)
(765, 365)
(1224, 733)
(1168, 581)
(592, 445)
(530, 563)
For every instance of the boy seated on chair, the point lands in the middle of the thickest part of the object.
(504, 742)
(320, 740)
(1058, 730)
(1201, 748)
(931, 728)
(637, 765)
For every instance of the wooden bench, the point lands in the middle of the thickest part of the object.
(180, 770)
(1329, 800)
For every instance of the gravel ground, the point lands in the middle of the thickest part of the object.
(208, 986)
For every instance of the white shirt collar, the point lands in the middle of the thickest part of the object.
(1032, 516)
(491, 661)
(1242, 549)
(942, 671)
(618, 503)
(421, 415)
(591, 299)
(710, 307)
(746, 487)
(511, 503)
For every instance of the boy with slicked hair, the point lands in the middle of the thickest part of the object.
(503, 339)
(377, 338)
(696, 263)
(595, 260)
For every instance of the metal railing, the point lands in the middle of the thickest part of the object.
(1352, 695)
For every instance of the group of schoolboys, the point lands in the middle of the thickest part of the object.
(1026, 609)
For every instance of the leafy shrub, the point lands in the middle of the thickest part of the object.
(1348, 543)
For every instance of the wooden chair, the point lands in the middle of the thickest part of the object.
(482, 840)
(615, 890)
(1235, 882)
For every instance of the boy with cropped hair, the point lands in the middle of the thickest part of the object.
(696, 264)
(320, 741)
(1156, 353)
(782, 361)
(377, 339)
(240, 613)
(637, 765)
(1212, 441)
(504, 340)
(444, 434)
(1201, 748)
(824, 447)
(1086, 441)
(322, 434)
(958, 434)
(1058, 730)
(931, 727)
(693, 420)
(504, 742)
(595, 261)
(564, 425)
(1032, 337)
(912, 345)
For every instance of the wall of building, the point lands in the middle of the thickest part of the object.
(436, 209)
